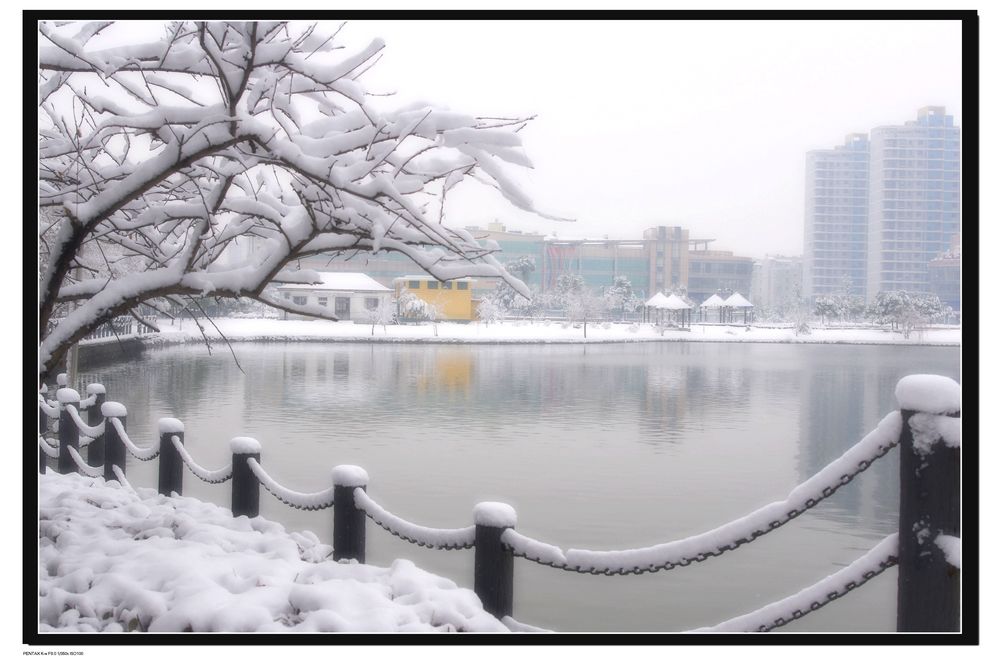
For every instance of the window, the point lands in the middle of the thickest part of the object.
(321, 301)
(299, 299)
(432, 285)
(446, 285)
(413, 284)
(287, 295)
(342, 306)
(371, 303)
(463, 285)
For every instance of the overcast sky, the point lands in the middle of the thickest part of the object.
(700, 124)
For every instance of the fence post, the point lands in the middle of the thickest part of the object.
(43, 427)
(114, 447)
(494, 563)
(69, 433)
(348, 519)
(246, 487)
(171, 471)
(95, 451)
(928, 593)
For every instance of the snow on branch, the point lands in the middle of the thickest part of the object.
(206, 163)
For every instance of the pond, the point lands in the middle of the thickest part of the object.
(604, 446)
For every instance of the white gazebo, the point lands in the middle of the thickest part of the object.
(655, 302)
(675, 303)
(714, 302)
(737, 301)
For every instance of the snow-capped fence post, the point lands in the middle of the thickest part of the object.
(95, 451)
(69, 434)
(171, 470)
(348, 518)
(494, 562)
(928, 591)
(114, 446)
(246, 487)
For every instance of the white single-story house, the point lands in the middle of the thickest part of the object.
(348, 295)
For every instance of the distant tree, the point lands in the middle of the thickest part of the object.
(583, 305)
(904, 311)
(620, 297)
(382, 314)
(825, 307)
(567, 286)
(491, 309)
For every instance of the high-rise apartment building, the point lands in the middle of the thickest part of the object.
(913, 199)
(836, 231)
(880, 209)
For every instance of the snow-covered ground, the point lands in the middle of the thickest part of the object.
(114, 560)
(243, 329)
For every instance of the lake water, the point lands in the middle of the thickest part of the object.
(601, 446)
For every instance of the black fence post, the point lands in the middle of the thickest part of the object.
(114, 447)
(494, 563)
(43, 428)
(928, 593)
(95, 451)
(246, 487)
(171, 471)
(348, 519)
(69, 433)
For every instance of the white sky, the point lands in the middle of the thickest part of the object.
(701, 124)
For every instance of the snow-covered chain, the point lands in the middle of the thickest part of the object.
(49, 449)
(432, 538)
(303, 501)
(698, 548)
(85, 468)
(209, 476)
(83, 426)
(121, 478)
(50, 410)
(776, 614)
(140, 453)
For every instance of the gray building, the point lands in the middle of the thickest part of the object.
(836, 219)
(777, 283)
(913, 200)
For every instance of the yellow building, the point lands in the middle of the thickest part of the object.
(452, 299)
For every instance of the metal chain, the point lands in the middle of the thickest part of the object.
(426, 545)
(206, 476)
(85, 468)
(836, 594)
(705, 555)
(133, 449)
(254, 466)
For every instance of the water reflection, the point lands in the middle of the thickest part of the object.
(606, 446)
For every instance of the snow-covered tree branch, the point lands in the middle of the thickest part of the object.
(155, 158)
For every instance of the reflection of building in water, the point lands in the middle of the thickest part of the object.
(673, 392)
(839, 406)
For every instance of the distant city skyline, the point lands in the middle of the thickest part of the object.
(700, 124)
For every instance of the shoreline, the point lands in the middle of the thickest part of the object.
(245, 330)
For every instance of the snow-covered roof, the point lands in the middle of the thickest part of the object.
(427, 277)
(737, 300)
(658, 301)
(340, 281)
(713, 302)
(675, 303)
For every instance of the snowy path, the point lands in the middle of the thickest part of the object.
(113, 560)
(239, 329)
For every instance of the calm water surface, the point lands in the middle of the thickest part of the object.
(601, 446)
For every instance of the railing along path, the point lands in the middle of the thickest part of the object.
(928, 428)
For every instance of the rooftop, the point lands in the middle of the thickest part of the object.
(340, 281)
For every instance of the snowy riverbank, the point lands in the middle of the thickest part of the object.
(241, 329)
(114, 560)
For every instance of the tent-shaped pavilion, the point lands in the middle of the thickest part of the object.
(714, 302)
(676, 304)
(737, 301)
